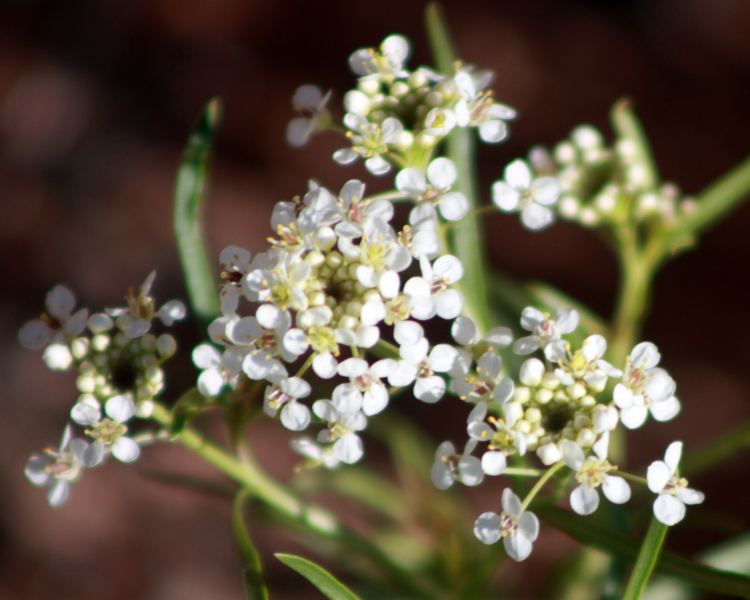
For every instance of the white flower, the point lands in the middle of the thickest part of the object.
(57, 324)
(544, 328)
(369, 141)
(284, 394)
(592, 472)
(466, 333)
(673, 491)
(500, 432)
(477, 108)
(435, 188)
(342, 430)
(517, 528)
(584, 366)
(57, 469)
(386, 63)
(488, 384)
(533, 197)
(644, 388)
(317, 454)
(310, 101)
(450, 466)
(111, 430)
(430, 294)
(367, 380)
(218, 369)
(235, 265)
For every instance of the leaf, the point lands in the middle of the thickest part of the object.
(254, 584)
(187, 222)
(466, 239)
(648, 556)
(330, 587)
(591, 533)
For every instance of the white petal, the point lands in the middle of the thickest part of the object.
(505, 197)
(493, 462)
(345, 156)
(58, 493)
(616, 489)
(453, 206)
(659, 385)
(668, 509)
(511, 503)
(464, 331)
(470, 471)
(389, 284)
(376, 165)
(493, 131)
(584, 500)
(60, 302)
(429, 389)
(35, 334)
(666, 409)
(442, 476)
(518, 175)
(623, 396)
(411, 181)
(690, 496)
(504, 390)
(402, 374)
(448, 305)
(531, 372)
(645, 355)
(549, 453)
(407, 333)
(487, 528)
(526, 345)
(634, 416)
(295, 341)
(349, 448)
(442, 357)
(172, 311)
(210, 383)
(58, 357)
(499, 337)
(325, 365)
(657, 476)
(546, 190)
(672, 456)
(295, 416)
(572, 454)
(126, 450)
(85, 413)
(441, 172)
(120, 408)
(566, 320)
(594, 347)
(352, 367)
(536, 217)
(374, 400)
(517, 546)
(448, 268)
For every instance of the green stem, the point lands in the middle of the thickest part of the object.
(540, 484)
(466, 240)
(522, 472)
(646, 561)
(256, 587)
(310, 517)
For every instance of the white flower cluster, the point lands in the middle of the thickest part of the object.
(332, 285)
(118, 361)
(584, 180)
(398, 116)
(560, 408)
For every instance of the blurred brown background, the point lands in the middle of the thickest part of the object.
(96, 100)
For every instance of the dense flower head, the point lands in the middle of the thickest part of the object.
(118, 359)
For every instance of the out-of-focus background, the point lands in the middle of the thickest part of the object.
(96, 100)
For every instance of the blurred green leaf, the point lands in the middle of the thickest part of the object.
(591, 533)
(717, 451)
(189, 193)
(733, 554)
(330, 587)
(254, 584)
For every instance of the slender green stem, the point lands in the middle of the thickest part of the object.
(312, 518)
(522, 472)
(256, 587)
(646, 561)
(631, 477)
(540, 484)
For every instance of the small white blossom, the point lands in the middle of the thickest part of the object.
(58, 469)
(449, 466)
(521, 192)
(673, 491)
(584, 366)
(310, 102)
(283, 395)
(59, 323)
(342, 430)
(645, 388)
(516, 527)
(431, 294)
(369, 141)
(435, 188)
(591, 473)
(477, 108)
(218, 369)
(544, 328)
(386, 63)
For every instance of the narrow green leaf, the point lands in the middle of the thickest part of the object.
(254, 584)
(331, 587)
(711, 206)
(591, 533)
(717, 451)
(189, 192)
(648, 556)
(465, 239)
